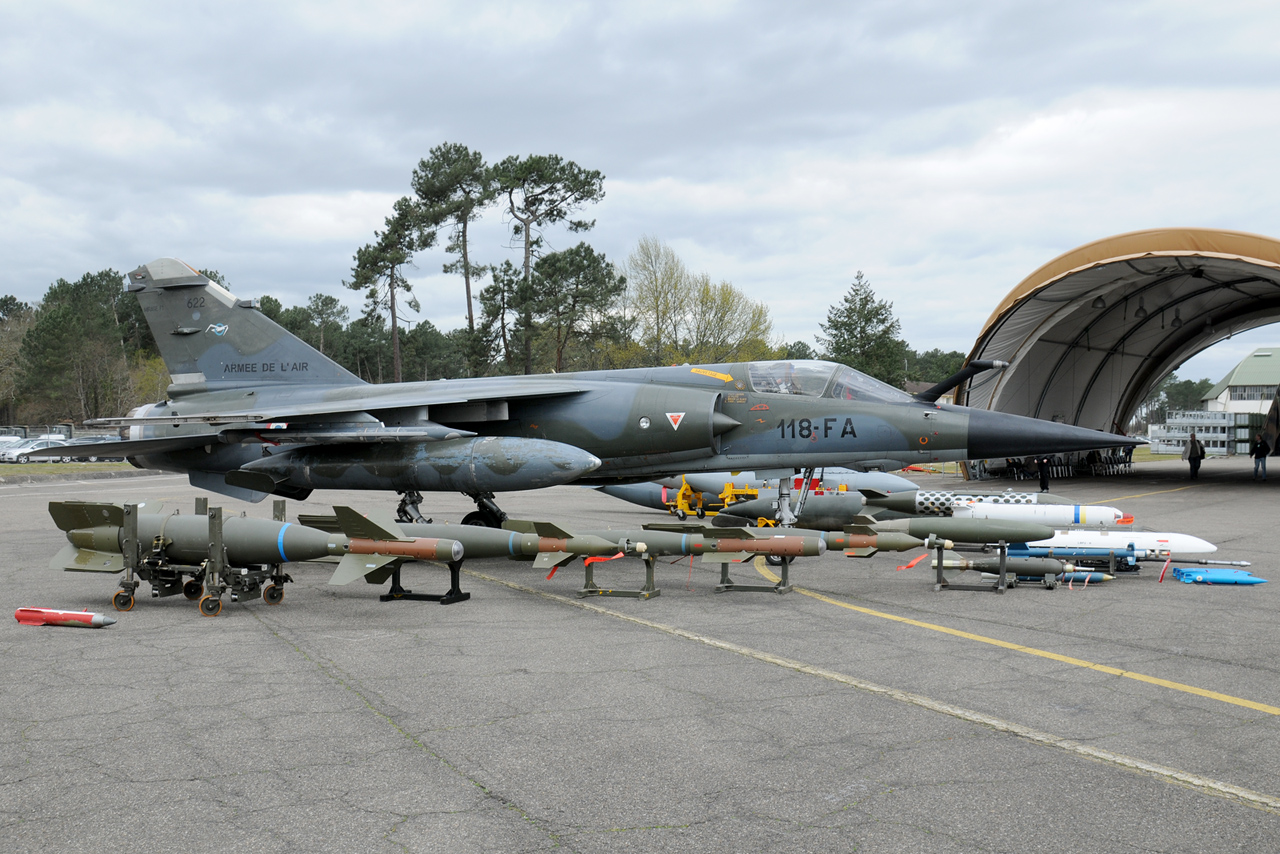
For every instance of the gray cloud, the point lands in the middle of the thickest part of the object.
(947, 149)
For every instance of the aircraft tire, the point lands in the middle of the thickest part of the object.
(122, 601)
(210, 606)
(773, 560)
(272, 594)
(479, 519)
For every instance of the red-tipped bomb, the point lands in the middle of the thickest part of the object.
(51, 617)
(419, 548)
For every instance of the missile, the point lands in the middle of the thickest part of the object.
(940, 502)
(1057, 515)
(1216, 576)
(1073, 577)
(50, 617)
(471, 465)
(1030, 566)
(1150, 543)
(966, 530)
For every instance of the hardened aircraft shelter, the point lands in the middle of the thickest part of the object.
(1090, 333)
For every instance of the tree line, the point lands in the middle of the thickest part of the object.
(85, 351)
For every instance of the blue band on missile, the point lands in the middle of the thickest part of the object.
(1077, 514)
(511, 543)
(280, 542)
(684, 543)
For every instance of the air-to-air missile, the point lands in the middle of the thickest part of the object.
(1216, 576)
(253, 410)
(1028, 566)
(1110, 546)
(1073, 577)
(1055, 515)
(50, 617)
(180, 553)
(941, 502)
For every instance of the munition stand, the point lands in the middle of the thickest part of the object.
(728, 585)
(590, 588)
(998, 586)
(398, 592)
(123, 600)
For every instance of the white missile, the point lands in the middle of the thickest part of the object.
(1152, 542)
(1053, 515)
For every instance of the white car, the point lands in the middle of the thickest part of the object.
(20, 453)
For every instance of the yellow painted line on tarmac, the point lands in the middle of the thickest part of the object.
(1029, 650)
(1206, 785)
(1145, 494)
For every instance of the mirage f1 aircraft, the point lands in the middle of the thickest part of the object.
(254, 411)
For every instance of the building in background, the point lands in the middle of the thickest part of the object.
(1250, 386)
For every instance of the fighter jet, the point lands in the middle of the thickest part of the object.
(254, 411)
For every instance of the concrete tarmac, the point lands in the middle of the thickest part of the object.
(862, 712)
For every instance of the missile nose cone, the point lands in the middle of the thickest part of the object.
(108, 621)
(999, 434)
(822, 546)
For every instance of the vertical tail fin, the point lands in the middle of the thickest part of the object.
(210, 339)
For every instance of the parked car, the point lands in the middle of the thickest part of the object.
(92, 449)
(20, 452)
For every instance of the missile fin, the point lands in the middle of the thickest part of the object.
(541, 529)
(359, 526)
(70, 515)
(547, 560)
(74, 559)
(866, 551)
(354, 566)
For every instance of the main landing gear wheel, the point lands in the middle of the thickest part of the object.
(481, 519)
(193, 590)
(210, 606)
(272, 594)
(122, 601)
(773, 560)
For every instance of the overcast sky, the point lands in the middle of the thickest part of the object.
(946, 149)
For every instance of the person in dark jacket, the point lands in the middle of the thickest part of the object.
(1259, 450)
(1193, 453)
(1042, 463)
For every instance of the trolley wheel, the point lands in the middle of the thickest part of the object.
(681, 515)
(210, 606)
(272, 594)
(702, 514)
(193, 590)
(122, 601)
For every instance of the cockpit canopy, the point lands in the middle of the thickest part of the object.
(821, 379)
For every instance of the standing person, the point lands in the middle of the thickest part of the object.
(1259, 450)
(1042, 463)
(1193, 453)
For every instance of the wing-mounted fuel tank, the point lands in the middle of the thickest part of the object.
(471, 465)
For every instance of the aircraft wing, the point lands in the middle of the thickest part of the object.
(133, 448)
(354, 401)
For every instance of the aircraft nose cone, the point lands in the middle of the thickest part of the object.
(999, 434)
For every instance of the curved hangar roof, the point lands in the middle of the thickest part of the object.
(1090, 333)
